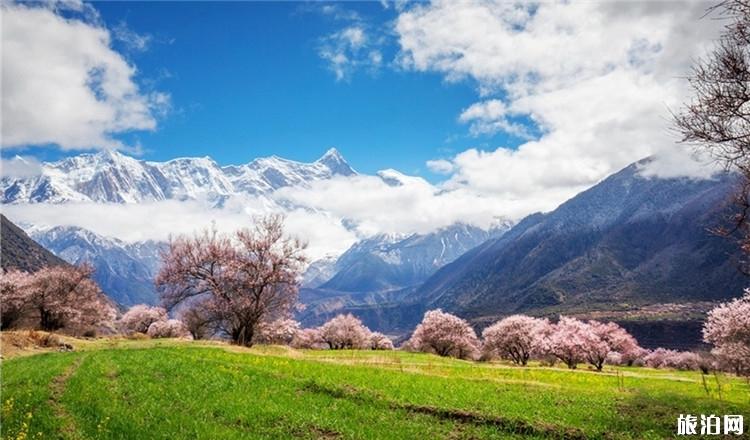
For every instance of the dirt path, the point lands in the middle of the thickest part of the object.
(57, 389)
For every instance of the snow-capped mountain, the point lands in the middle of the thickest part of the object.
(110, 176)
(390, 261)
(319, 272)
(125, 271)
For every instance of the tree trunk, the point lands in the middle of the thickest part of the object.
(243, 336)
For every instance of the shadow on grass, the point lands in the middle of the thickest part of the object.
(509, 426)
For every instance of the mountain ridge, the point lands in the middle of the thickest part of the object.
(110, 176)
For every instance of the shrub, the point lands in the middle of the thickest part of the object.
(139, 318)
(280, 331)
(379, 341)
(171, 328)
(308, 338)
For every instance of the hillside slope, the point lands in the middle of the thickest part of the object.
(627, 241)
(19, 251)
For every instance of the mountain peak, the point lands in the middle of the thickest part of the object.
(332, 153)
(336, 163)
(110, 155)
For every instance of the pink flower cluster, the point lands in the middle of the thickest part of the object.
(444, 334)
(53, 298)
(728, 329)
(152, 321)
(519, 338)
(341, 332)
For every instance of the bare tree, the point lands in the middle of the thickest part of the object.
(238, 281)
(717, 120)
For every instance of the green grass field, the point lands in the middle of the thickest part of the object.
(174, 390)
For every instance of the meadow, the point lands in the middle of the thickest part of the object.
(170, 389)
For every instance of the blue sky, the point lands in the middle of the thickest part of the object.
(246, 79)
(390, 87)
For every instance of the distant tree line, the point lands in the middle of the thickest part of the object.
(244, 288)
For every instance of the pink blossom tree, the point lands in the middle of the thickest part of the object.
(626, 346)
(279, 332)
(239, 281)
(139, 318)
(660, 358)
(513, 338)
(566, 340)
(445, 335)
(308, 338)
(601, 339)
(14, 297)
(171, 328)
(733, 357)
(379, 341)
(345, 331)
(728, 329)
(66, 296)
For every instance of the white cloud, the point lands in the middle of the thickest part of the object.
(490, 117)
(356, 46)
(597, 79)
(338, 12)
(132, 40)
(20, 167)
(353, 37)
(160, 220)
(63, 84)
(350, 49)
(397, 203)
(440, 166)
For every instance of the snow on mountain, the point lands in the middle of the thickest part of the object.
(194, 177)
(110, 176)
(125, 271)
(319, 271)
(390, 261)
(270, 173)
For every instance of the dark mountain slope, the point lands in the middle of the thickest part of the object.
(627, 241)
(19, 251)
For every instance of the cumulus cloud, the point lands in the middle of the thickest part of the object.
(597, 79)
(490, 117)
(63, 84)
